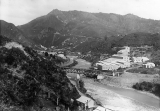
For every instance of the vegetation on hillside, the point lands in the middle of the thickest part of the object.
(148, 86)
(11, 31)
(143, 70)
(31, 82)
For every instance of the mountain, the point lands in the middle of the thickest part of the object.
(74, 28)
(30, 82)
(48, 37)
(140, 39)
(11, 31)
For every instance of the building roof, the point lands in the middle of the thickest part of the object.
(87, 101)
(113, 60)
(99, 108)
(109, 63)
(149, 63)
(144, 58)
(120, 55)
(62, 56)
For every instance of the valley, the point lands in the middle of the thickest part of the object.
(116, 97)
(49, 63)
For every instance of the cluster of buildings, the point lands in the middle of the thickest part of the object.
(122, 60)
(149, 65)
(139, 59)
(116, 61)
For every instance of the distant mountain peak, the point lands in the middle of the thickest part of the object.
(131, 16)
(84, 24)
(55, 12)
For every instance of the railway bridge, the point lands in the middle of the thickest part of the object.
(90, 72)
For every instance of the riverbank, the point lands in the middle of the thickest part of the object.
(82, 64)
(127, 80)
(73, 80)
(115, 96)
(112, 84)
(111, 99)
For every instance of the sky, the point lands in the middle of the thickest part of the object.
(20, 12)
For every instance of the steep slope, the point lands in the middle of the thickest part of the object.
(43, 29)
(30, 82)
(47, 29)
(11, 31)
(140, 39)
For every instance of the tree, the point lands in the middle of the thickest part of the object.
(9, 59)
(46, 54)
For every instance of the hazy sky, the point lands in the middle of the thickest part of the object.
(22, 11)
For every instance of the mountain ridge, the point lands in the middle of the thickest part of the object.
(75, 29)
(106, 23)
(11, 31)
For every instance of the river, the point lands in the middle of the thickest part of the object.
(134, 96)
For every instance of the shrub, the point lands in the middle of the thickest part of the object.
(9, 59)
(46, 54)
(148, 86)
(81, 85)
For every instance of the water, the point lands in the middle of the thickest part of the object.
(128, 93)
(135, 95)
(115, 101)
(82, 64)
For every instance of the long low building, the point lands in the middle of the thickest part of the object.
(99, 108)
(119, 60)
(139, 59)
(121, 57)
(106, 66)
(112, 65)
(149, 65)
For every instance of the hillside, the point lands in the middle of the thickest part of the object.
(74, 29)
(91, 24)
(50, 37)
(31, 82)
(11, 31)
(84, 31)
(140, 39)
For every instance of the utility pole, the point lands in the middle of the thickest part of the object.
(159, 95)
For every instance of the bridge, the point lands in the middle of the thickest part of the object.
(90, 72)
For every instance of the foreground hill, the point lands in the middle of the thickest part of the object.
(30, 82)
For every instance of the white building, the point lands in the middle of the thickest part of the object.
(106, 66)
(149, 65)
(112, 64)
(86, 101)
(140, 59)
(100, 77)
(120, 60)
(62, 56)
(121, 57)
(124, 51)
(99, 108)
(53, 53)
